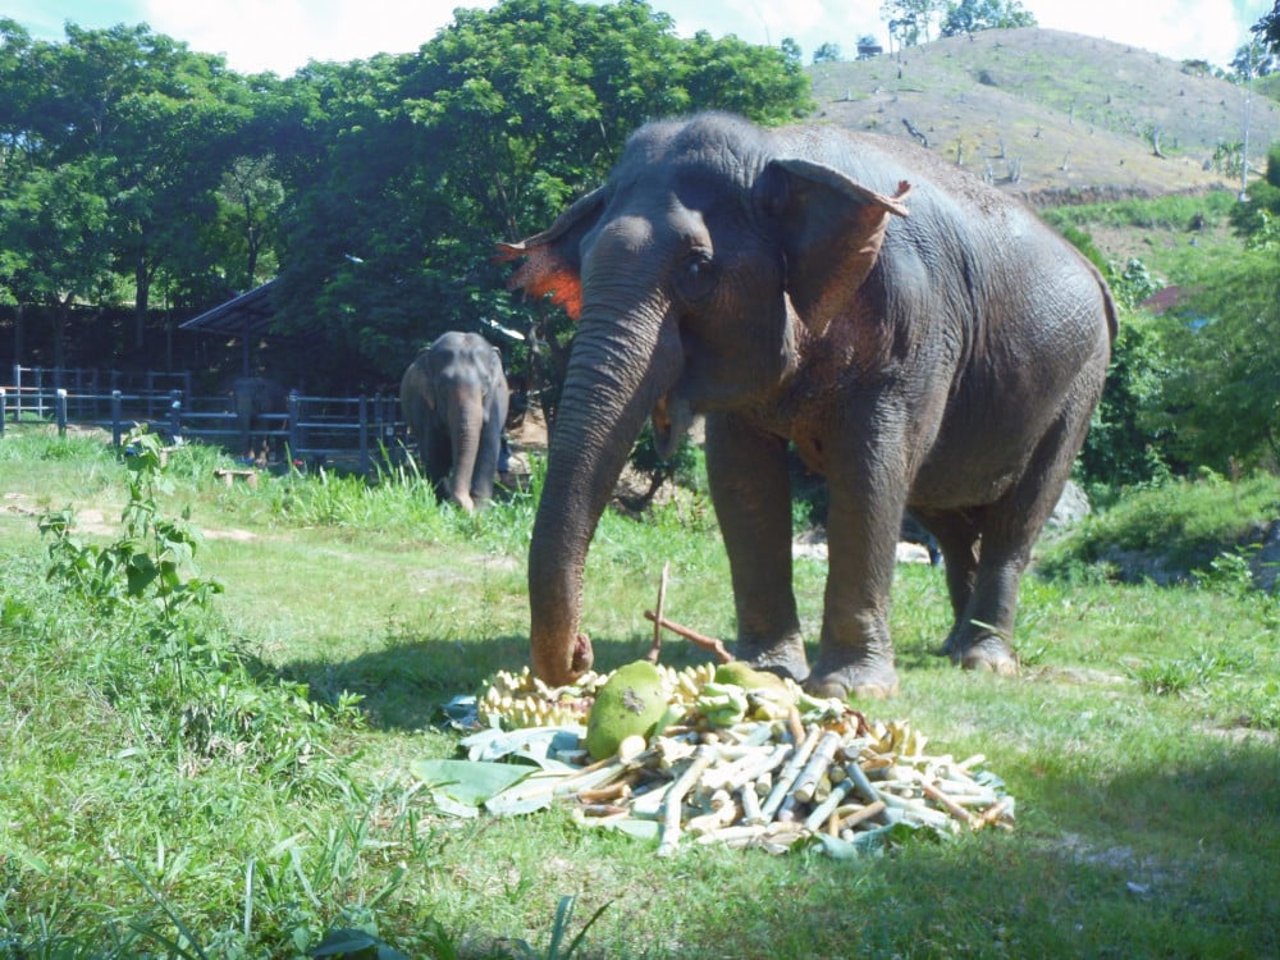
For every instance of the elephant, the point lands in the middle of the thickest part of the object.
(923, 341)
(454, 397)
(251, 398)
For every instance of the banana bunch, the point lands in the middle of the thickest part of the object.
(723, 704)
(518, 700)
(685, 686)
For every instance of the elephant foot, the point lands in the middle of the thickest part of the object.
(864, 680)
(989, 653)
(785, 658)
(463, 501)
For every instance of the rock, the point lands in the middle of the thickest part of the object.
(1072, 507)
(912, 553)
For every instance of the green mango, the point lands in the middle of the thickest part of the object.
(630, 703)
(741, 675)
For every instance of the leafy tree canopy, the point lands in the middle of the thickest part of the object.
(827, 53)
(487, 133)
(971, 16)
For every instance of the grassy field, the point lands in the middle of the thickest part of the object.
(203, 783)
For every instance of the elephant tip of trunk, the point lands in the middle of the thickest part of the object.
(556, 671)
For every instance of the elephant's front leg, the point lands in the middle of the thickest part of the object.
(868, 491)
(747, 471)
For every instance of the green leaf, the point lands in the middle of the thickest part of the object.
(467, 781)
(353, 944)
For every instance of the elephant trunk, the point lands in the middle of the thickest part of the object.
(621, 362)
(466, 425)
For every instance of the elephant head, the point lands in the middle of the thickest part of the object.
(694, 275)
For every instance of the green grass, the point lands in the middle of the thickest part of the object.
(1171, 212)
(1139, 744)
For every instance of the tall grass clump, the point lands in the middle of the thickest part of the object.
(163, 659)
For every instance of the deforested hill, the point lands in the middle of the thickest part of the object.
(1055, 116)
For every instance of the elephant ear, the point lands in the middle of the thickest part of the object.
(552, 264)
(831, 229)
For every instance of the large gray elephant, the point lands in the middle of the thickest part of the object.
(454, 397)
(922, 340)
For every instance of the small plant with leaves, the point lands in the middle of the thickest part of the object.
(153, 559)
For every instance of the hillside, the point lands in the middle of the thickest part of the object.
(1073, 114)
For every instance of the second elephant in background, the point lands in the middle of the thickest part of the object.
(454, 397)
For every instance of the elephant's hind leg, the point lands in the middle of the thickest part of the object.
(1010, 529)
(957, 534)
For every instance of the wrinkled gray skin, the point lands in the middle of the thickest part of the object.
(251, 397)
(924, 341)
(454, 397)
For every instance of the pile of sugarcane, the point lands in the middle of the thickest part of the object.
(764, 768)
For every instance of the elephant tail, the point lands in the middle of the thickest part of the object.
(1109, 305)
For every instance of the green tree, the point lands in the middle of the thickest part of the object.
(911, 21)
(162, 120)
(1255, 219)
(1129, 433)
(827, 53)
(486, 133)
(54, 227)
(971, 16)
(1225, 394)
(1267, 29)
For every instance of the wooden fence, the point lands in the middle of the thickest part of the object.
(352, 432)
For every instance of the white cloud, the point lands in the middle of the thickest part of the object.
(282, 35)
(1181, 29)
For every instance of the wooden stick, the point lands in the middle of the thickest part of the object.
(656, 650)
(866, 813)
(672, 805)
(707, 643)
(953, 808)
(993, 813)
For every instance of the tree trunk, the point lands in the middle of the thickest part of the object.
(19, 334)
(143, 279)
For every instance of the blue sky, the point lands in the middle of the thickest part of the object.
(282, 35)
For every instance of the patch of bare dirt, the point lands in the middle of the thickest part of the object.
(91, 521)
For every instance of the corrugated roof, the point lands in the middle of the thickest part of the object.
(249, 314)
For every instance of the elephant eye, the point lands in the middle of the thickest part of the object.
(697, 276)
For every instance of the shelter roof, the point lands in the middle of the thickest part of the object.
(248, 315)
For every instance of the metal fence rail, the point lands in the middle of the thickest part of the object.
(347, 431)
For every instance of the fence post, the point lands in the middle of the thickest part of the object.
(175, 415)
(17, 392)
(116, 403)
(61, 413)
(364, 434)
(4, 410)
(295, 429)
(39, 372)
